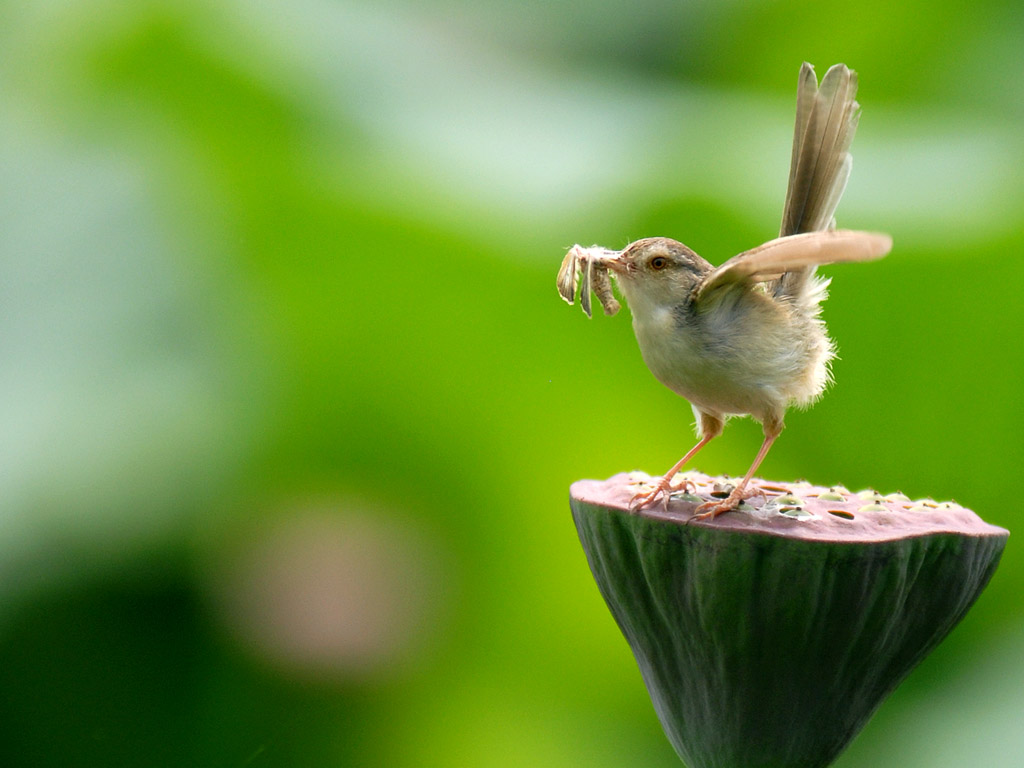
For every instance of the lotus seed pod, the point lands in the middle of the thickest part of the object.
(769, 635)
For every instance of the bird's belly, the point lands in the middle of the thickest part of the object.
(714, 378)
(716, 390)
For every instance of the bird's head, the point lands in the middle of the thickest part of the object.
(656, 271)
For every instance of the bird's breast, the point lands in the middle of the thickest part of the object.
(735, 362)
(678, 355)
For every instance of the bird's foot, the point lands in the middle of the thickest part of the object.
(648, 498)
(665, 489)
(686, 486)
(712, 509)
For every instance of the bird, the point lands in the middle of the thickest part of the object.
(745, 338)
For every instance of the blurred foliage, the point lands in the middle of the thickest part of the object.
(291, 406)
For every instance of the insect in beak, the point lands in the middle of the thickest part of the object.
(587, 269)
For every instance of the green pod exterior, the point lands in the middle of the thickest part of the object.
(772, 651)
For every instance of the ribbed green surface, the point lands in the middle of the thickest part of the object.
(770, 652)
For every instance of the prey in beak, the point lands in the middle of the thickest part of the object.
(586, 269)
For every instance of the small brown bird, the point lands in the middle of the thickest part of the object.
(745, 338)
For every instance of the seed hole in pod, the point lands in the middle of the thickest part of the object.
(774, 488)
(841, 513)
(797, 513)
(720, 494)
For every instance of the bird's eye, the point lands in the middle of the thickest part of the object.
(659, 262)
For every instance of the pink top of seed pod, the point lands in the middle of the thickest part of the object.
(795, 510)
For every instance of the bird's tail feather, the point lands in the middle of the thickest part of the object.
(826, 120)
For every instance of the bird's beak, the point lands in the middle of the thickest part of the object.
(613, 260)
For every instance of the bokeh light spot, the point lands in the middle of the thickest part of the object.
(333, 591)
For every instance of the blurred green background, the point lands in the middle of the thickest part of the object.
(291, 406)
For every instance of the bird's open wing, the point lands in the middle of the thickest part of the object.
(769, 261)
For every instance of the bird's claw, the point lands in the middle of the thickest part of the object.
(646, 498)
(686, 486)
(663, 489)
(712, 509)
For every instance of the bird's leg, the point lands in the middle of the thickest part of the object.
(710, 427)
(664, 485)
(772, 429)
